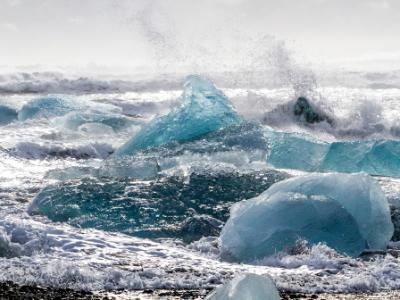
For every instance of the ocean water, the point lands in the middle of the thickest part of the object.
(74, 215)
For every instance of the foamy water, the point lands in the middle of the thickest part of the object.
(34, 249)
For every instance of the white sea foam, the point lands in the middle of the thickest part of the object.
(60, 256)
(35, 250)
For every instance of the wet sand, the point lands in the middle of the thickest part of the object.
(9, 290)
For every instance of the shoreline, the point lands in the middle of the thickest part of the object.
(9, 290)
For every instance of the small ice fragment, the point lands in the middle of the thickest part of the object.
(247, 286)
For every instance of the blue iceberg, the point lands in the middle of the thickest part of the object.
(296, 151)
(7, 114)
(75, 120)
(204, 109)
(52, 106)
(178, 207)
(380, 157)
(247, 137)
(247, 286)
(348, 212)
(45, 107)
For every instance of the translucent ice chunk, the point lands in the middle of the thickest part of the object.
(74, 120)
(51, 106)
(347, 212)
(247, 287)
(297, 151)
(374, 157)
(178, 207)
(46, 107)
(204, 109)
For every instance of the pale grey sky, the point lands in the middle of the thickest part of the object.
(172, 34)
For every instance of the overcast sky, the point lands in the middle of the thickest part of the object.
(196, 33)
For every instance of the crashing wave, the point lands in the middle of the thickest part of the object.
(343, 113)
(31, 150)
(56, 82)
(349, 213)
(204, 109)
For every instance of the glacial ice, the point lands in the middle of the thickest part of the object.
(294, 151)
(204, 109)
(52, 106)
(247, 286)
(247, 138)
(75, 120)
(348, 212)
(380, 157)
(297, 151)
(46, 107)
(172, 206)
(7, 114)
